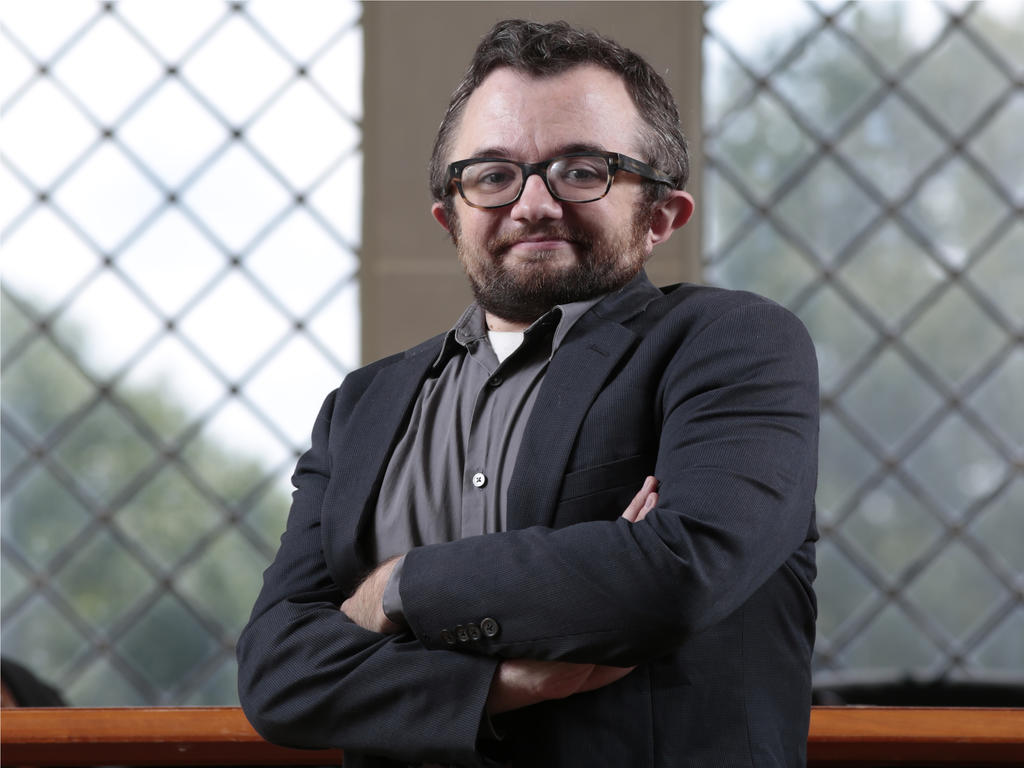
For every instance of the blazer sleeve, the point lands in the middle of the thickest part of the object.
(737, 465)
(310, 677)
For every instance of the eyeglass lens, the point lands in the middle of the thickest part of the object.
(573, 179)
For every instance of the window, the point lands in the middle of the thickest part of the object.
(863, 167)
(181, 229)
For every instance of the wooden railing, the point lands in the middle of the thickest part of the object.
(136, 736)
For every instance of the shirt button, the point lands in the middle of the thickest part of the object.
(495, 381)
(479, 480)
(448, 637)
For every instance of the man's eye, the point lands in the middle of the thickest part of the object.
(490, 177)
(581, 174)
(496, 177)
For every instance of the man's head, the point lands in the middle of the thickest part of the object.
(533, 93)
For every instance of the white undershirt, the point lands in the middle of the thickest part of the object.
(505, 343)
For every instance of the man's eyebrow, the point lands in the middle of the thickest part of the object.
(579, 147)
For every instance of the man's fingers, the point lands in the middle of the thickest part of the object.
(637, 504)
(641, 503)
(649, 504)
(522, 682)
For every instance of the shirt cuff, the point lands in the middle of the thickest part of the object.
(391, 600)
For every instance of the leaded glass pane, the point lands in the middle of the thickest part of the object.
(891, 273)
(955, 336)
(890, 400)
(826, 82)
(1000, 526)
(41, 516)
(827, 210)
(891, 645)
(1002, 652)
(955, 82)
(893, 35)
(889, 167)
(1000, 274)
(224, 581)
(956, 208)
(104, 685)
(168, 625)
(892, 529)
(956, 591)
(103, 581)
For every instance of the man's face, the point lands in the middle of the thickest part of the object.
(526, 257)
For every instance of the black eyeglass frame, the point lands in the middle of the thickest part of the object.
(615, 160)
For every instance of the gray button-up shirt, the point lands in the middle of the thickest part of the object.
(449, 474)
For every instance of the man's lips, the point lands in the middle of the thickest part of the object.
(545, 244)
(532, 242)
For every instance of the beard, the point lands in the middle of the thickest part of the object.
(523, 294)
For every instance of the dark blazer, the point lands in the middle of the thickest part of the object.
(712, 391)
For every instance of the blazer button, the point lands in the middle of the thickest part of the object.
(461, 634)
(490, 627)
(448, 637)
(473, 631)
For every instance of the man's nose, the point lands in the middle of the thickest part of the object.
(536, 202)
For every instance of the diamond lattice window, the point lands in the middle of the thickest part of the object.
(181, 224)
(864, 167)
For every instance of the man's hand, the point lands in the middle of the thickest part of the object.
(644, 501)
(364, 606)
(522, 682)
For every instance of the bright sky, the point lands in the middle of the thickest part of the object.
(175, 256)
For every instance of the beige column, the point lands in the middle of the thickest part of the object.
(416, 52)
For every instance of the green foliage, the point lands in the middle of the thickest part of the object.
(150, 565)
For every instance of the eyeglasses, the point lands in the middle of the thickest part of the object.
(577, 177)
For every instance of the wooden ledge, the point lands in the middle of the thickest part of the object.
(839, 736)
(143, 736)
(915, 736)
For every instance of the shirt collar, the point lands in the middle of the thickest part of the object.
(471, 327)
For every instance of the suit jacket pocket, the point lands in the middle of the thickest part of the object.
(603, 491)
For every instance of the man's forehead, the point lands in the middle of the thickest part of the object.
(585, 107)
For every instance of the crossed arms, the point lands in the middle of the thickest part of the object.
(736, 458)
(517, 682)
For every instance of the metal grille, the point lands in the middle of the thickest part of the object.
(864, 167)
(181, 227)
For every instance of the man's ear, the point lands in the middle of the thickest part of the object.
(669, 215)
(439, 213)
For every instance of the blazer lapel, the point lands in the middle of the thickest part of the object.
(371, 435)
(579, 370)
(576, 375)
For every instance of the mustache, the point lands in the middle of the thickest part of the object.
(554, 231)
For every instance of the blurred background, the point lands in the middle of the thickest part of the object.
(212, 211)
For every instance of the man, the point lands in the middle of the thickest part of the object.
(597, 551)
